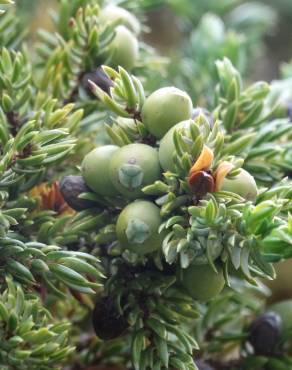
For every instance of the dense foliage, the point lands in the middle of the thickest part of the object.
(138, 220)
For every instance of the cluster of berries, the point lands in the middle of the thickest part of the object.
(121, 173)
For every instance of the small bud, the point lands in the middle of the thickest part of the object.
(100, 78)
(107, 322)
(265, 332)
(203, 112)
(71, 187)
(204, 161)
(72, 23)
(201, 183)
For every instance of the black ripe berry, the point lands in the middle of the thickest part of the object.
(99, 78)
(201, 183)
(71, 187)
(107, 321)
(265, 332)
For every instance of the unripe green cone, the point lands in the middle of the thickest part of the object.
(167, 147)
(132, 167)
(137, 227)
(202, 282)
(164, 108)
(125, 48)
(95, 170)
(284, 310)
(112, 13)
(243, 184)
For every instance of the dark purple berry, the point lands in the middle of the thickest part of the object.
(204, 112)
(202, 365)
(100, 78)
(107, 321)
(265, 332)
(201, 183)
(71, 187)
